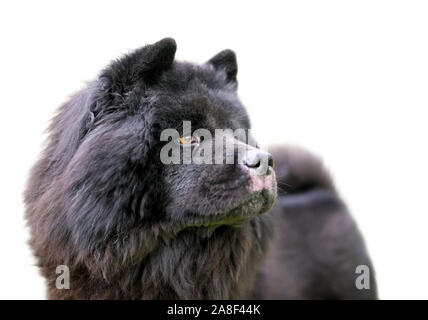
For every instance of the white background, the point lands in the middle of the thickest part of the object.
(345, 79)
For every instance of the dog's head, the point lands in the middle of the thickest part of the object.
(141, 145)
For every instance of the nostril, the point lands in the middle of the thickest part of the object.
(259, 162)
(255, 163)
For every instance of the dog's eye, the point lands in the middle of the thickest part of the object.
(188, 140)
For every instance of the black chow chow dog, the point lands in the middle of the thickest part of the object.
(128, 226)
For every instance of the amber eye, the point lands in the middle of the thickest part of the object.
(188, 140)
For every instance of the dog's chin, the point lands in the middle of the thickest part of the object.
(254, 204)
(257, 203)
(249, 202)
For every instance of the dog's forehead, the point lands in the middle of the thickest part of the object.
(203, 110)
(185, 76)
(196, 93)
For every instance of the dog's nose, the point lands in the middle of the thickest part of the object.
(259, 161)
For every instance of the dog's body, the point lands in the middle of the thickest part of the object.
(128, 226)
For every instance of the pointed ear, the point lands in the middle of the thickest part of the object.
(156, 57)
(145, 64)
(226, 61)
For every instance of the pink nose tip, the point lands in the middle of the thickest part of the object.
(260, 182)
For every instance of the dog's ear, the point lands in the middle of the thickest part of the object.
(144, 64)
(76, 117)
(226, 61)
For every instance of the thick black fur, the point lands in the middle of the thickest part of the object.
(100, 201)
